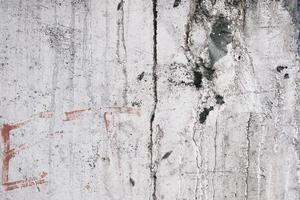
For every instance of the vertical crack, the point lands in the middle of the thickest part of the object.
(248, 156)
(154, 87)
(121, 48)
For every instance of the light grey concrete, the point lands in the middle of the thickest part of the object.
(149, 100)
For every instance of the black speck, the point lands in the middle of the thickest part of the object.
(204, 114)
(219, 99)
(197, 79)
(286, 76)
(280, 68)
(141, 76)
(131, 181)
(167, 155)
(176, 3)
(92, 165)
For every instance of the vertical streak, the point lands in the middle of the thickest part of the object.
(154, 88)
(248, 156)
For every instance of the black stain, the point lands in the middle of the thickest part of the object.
(286, 76)
(120, 5)
(167, 155)
(176, 3)
(131, 181)
(141, 76)
(219, 99)
(197, 79)
(204, 114)
(280, 68)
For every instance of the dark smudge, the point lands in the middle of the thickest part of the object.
(141, 76)
(167, 155)
(176, 3)
(286, 76)
(219, 99)
(131, 181)
(197, 79)
(280, 68)
(204, 114)
(220, 37)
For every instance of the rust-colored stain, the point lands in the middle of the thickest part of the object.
(108, 120)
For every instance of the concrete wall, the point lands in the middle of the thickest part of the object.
(140, 99)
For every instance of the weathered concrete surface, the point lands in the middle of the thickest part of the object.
(184, 99)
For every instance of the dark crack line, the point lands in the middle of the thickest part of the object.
(248, 155)
(154, 87)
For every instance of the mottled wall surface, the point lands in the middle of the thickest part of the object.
(149, 100)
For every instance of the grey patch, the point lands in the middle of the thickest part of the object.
(232, 3)
(219, 99)
(220, 37)
(201, 10)
(60, 38)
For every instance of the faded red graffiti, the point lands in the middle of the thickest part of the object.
(9, 153)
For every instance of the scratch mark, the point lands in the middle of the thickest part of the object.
(248, 155)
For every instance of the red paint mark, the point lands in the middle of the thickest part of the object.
(25, 183)
(108, 121)
(74, 114)
(109, 116)
(8, 154)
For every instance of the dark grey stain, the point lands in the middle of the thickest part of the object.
(176, 3)
(286, 76)
(132, 183)
(208, 71)
(197, 79)
(232, 3)
(120, 5)
(219, 99)
(280, 68)
(167, 155)
(141, 76)
(220, 37)
(204, 114)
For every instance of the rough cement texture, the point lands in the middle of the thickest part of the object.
(149, 100)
